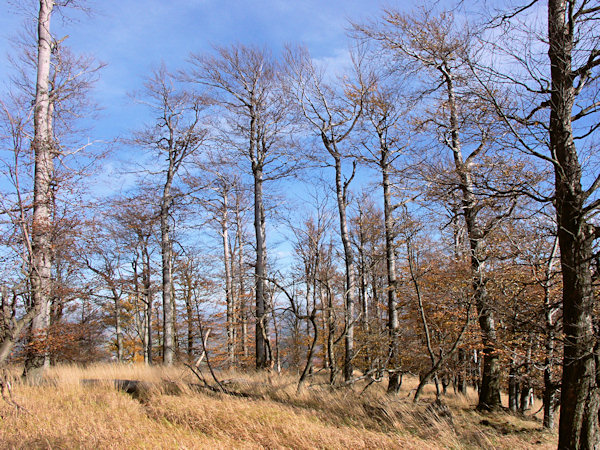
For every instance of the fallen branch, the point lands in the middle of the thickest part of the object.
(6, 391)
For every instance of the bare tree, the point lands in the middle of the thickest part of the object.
(331, 112)
(385, 113)
(16, 207)
(43, 145)
(555, 79)
(135, 226)
(217, 199)
(61, 83)
(103, 256)
(311, 249)
(176, 136)
(244, 82)
(440, 49)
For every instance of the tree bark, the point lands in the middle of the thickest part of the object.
(228, 277)
(167, 267)
(489, 396)
(263, 356)
(390, 259)
(578, 426)
(349, 297)
(242, 301)
(513, 387)
(10, 326)
(43, 147)
(118, 330)
(147, 294)
(189, 310)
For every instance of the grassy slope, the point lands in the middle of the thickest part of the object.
(65, 414)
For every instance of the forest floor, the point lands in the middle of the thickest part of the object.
(64, 412)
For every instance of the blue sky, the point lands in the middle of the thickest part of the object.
(133, 36)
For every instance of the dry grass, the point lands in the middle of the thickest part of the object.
(66, 414)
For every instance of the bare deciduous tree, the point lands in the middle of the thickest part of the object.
(438, 47)
(555, 79)
(331, 113)
(244, 81)
(176, 136)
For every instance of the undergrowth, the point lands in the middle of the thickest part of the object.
(63, 412)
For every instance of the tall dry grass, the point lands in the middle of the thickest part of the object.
(64, 413)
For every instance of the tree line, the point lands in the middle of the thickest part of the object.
(434, 199)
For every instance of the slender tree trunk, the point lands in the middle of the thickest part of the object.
(362, 276)
(550, 385)
(143, 326)
(461, 377)
(118, 330)
(550, 389)
(276, 354)
(489, 397)
(350, 287)
(147, 294)
(513, 387)
(228, 279)
(526, 388)
(159, 338)
(167, 272)
(243, 302)
(414, 278)
(311, 352)
(263, 357)
(189, 286)
(390, 259)
(43, 147)
(333, 370)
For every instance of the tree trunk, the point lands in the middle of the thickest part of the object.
(167, 273)
(513, 387)
(362, 276)
(349, 297)
(390, 259)
(189, 310)
(489, 397)
(141, 325)
(43, 147)
(461, 377)
(242, 300)
(147, 294)
(118, 330)
(311, 352)
(331, 360)
(526, 388)
(578, 427)
(228, 279)
(263, 356)
(11, 328)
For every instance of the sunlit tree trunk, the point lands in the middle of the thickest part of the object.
(390, 259)
(229, 299)
(489, 397)
(350, 287)
(43, 147)
(578, 427)
(263, 355)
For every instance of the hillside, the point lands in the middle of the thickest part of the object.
(63, 412)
